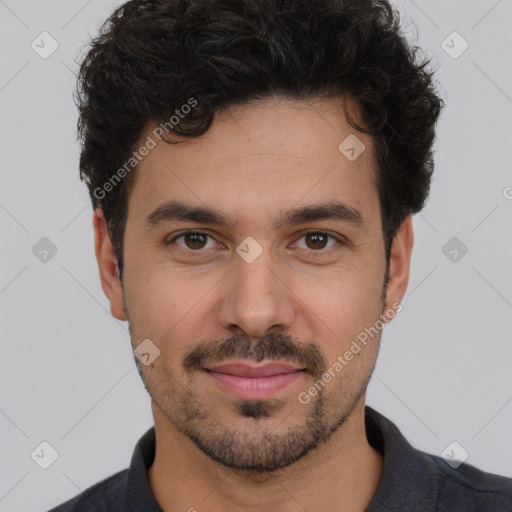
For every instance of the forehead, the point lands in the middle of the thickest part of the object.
(261, 159)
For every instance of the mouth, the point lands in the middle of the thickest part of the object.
(254, 382)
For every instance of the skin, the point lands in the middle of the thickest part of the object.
(256, 161)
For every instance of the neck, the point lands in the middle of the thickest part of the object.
(342, 475)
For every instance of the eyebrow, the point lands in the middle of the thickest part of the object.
(176, 211)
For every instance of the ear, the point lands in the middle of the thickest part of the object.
(107, 263)
(399, 263)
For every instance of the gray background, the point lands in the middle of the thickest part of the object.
(67, 371)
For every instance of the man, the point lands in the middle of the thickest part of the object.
(253, 168)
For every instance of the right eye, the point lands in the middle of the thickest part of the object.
(194, 240)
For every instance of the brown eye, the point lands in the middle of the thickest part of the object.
(316, 240)
(194, 240)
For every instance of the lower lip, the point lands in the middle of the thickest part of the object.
(254, 388)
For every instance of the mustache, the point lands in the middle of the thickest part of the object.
(274, 347)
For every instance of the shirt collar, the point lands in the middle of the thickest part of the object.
(138, 491)
(410, 478)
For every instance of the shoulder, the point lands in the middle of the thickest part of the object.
(416, 481)
(471, 489)
(104, 496)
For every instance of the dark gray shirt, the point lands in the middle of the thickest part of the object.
(412, 481)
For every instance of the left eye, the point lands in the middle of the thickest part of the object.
(195, 240)
(318, 238)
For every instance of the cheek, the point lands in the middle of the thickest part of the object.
(153, 303)
(342, 310)
(168, 308)
(351, 355)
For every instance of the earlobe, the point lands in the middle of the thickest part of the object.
(399, 264)
(107, 264)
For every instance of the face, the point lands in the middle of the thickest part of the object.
(254, 301)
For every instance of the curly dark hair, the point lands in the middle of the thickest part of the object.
(151, 56)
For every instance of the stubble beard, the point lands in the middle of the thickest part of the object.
(257, 448)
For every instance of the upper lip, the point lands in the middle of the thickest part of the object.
(247, 370)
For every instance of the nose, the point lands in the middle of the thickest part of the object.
(256, 298)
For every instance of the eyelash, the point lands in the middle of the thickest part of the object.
(202, 251)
